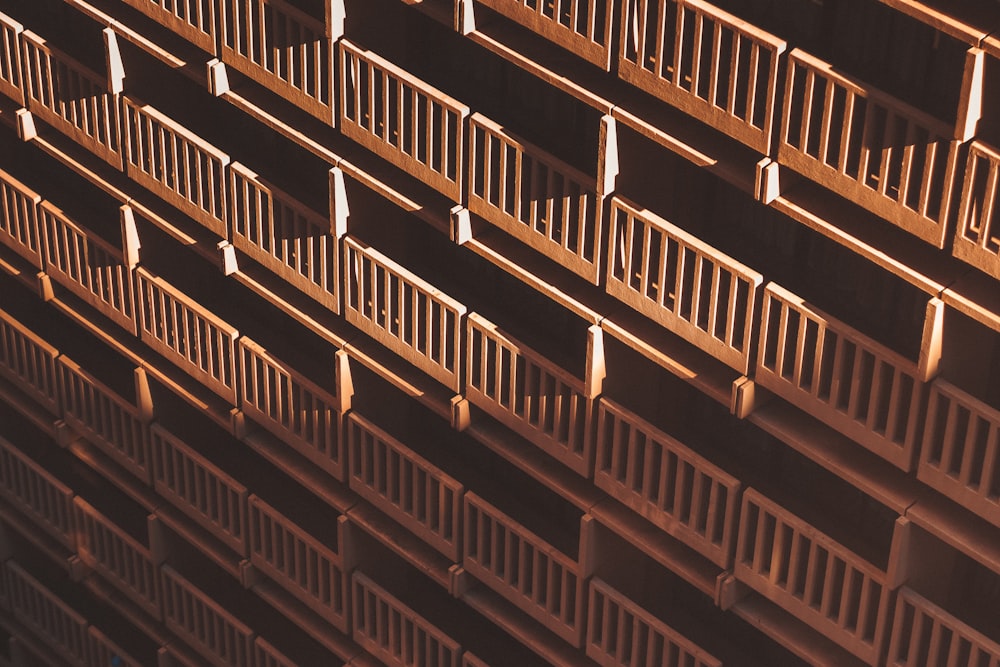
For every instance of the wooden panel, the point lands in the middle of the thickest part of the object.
(859, 387)
(284, 235)
(405, 486)
(117, 556)
(194, 20)
(188, 334)
(684, 284)
(19, 218)
(661, 479)
(176, 165)
(396, 634)
(37, 494)
(524, 569)
(302, 414)
(706, 62)
(620, 633)
(29, 362)
(88, 266)
(402, 119)
(282, 48)
(104, 418)
(813, 577)
(582, 26)
(41, 610)
(960, 456)
(10, 59)
(924, 634)
(535, 197)
(889, 158)
(977, 238)
(72, 98)
(529, 394)
(403, 312)
(199, 488)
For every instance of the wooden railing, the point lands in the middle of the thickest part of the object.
(88, 266)
(859, 387)
(71, 98)
(524, 569)
(402, 119)
(10, 59)
(403, 312)
(29, 362)
(176, 165)
(307, 568)
(199, 488)
(924, 634)
(282, 48)
(188, 334)
(396, 634)
(204, 623)
(667, 483)
(103, 417)
(299, 412)
(620, 633)
(194, 20)
(706, 62)
(284, 236)
(581, 26)
(960, 455)
(103, 651)
(889, 158)
(405, 486)
(266, 655)
(977, 239)
(816, 579)
(535, 197)
(119, 557)
(19, 218)
(528, 393)
(33, 604)
(684, 284)
(37, 494)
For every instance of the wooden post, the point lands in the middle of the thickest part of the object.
(218, 77)
(345, 384)
(335, 19)
(25, 125)
(970, 104)
(460, 230)
(596, 370)
(608, 165)
(130, 236)
(340, 210)
(931, 340)
(465, 17)
(113, 59)
(143, 396)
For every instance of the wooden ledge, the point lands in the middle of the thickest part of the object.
(957, 527)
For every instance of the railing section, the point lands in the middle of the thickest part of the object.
(960, 455)
(176, 165)
(705, 62)
(396, 634)
(524, 569)
(266, 655)
(404, 313)
(71, 98)
(813, 577)
(535, 197)
(871, 148)
(103, 651)
(33, 604)
(664, 481)
(199, 488)
(684, 284)
(10, 58)
(284, 236)
(405, 486)
(924, 634)
(19, 218)
(307, 568)
(204, 623)
(620, 633)
(977, 239)
(88, 266)
(859, 387)
(402, 119)
(299, 412)
(281, 47)
(37, 494)
(103, 417)
(582, 26)
(194, 20)
(529, 394)
(29, 362)
(188, 334)
(119, 557)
